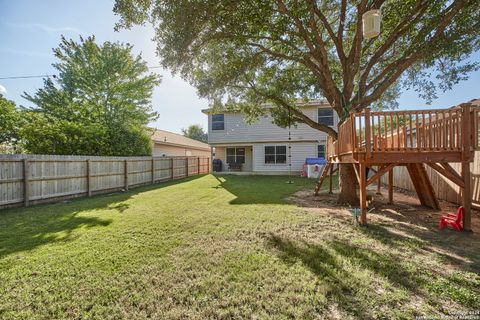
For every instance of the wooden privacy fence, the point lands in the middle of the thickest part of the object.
(29, 179)
(443, 187)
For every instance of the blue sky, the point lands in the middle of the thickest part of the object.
(29, 29)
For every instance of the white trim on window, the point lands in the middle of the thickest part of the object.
(325, 117)
(275, 156)
(321, 150)
(218, 123)
(237, 154)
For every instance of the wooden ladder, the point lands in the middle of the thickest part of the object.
(326, 170)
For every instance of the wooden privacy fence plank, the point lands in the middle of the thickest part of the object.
(29, 179)
(26, 184)
(89, 179)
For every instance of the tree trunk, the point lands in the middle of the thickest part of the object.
(348, 185)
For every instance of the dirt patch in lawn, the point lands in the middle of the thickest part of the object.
(405, 218)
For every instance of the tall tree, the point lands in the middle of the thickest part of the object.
(246, 53)
(195, 131)
(9, 121)
(99, 104)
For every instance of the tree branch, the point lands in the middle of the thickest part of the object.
(403, 26)
(336, 40)
(353, 59)
(320, 54)
(393, 71)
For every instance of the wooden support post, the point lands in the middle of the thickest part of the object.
(330, 186)
(126, 174)
(153, 170)
(26, 185)
(379, 185)
(363, 193)
(186, 166)
(198, 165)
(390, 186)
(467, 196)
(89, 179)
(171, 166)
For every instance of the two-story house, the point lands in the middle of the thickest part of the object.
(263, 147)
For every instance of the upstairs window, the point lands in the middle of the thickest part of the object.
(321, 151)
(325, 116)
(218, 122)
(275, 154)
(235, 155)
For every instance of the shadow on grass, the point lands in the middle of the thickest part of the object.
(335, 264)
(25, 229)
(337, 283)
(459, 249)
(258, 189)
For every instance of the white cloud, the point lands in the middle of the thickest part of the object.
(43, 27)
(2, 89)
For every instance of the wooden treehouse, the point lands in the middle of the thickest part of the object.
(379, 141)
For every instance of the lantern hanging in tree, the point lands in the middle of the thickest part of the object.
(371, 23)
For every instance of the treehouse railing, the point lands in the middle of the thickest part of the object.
(454, 129)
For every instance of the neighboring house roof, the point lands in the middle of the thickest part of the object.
(175, 139)
(475, 102)
(300, 103)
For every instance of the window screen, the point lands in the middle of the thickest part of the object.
(275, 154)
(325, 116)
(218, 122)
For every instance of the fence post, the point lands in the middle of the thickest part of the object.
(186, 166)
(26, 187)
(171, 165)
(198, 165)
(153, 170)
(89, 183)
(126, 175)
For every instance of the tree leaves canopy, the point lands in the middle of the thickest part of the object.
(195, 131)
(99, 104)
(9, 120)
(247, 53)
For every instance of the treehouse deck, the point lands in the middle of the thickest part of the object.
(379, 141)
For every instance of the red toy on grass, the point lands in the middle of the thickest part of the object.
(452, 220)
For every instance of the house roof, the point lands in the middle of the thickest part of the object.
(300, 103)
(175, 139)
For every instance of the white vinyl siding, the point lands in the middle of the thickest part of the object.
(236, 130)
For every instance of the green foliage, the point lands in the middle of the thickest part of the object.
(195, 131)
(252, 52)
(9, 118)
(99, 104)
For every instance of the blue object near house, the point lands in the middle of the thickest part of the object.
(315, 161)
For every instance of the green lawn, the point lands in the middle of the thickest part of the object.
(221, 248)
